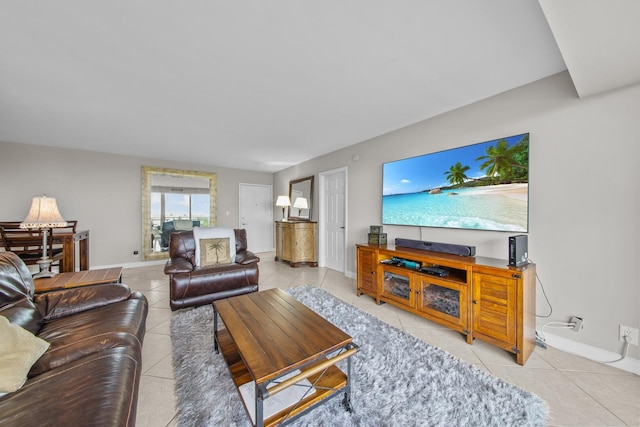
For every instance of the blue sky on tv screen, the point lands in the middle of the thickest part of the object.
(429, 171)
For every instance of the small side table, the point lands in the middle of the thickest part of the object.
(78, 278)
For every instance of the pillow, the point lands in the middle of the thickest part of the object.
(19, 350)
(182, 224)
(202, 233)
(214, 251)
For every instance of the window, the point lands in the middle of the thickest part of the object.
(170, 195)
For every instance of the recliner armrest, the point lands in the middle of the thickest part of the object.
(246, 257)
(56, 304)
(177, 265)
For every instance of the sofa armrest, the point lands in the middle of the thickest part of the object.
(65, 302)
(178, 265)
(246, 257)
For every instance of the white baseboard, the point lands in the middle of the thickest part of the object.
(590, 352)
(131, 264)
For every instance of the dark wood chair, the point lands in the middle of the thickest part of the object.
(70, 228)
(27, 243)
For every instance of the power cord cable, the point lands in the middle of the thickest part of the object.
(529, 260)
(625, 349)
(559, 325)
(541, 340)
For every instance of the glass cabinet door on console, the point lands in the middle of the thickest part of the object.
(443, 299)
(397, 285)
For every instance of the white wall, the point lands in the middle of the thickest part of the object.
(101, 191)
(584, 195)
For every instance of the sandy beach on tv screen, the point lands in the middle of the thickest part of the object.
(515, 191)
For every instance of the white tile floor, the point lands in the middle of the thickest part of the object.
(578, 391)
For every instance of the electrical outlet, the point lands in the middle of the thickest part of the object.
(578, 323)
(632, 333)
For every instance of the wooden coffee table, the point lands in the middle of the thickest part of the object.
(78, 278)
(273, 345)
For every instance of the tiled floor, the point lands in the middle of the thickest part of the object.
(579, 392)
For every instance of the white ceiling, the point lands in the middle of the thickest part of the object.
(599, 41)
(263, 85)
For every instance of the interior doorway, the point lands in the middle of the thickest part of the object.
(256, 216)
(332, 223)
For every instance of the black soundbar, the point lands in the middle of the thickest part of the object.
(447, 248)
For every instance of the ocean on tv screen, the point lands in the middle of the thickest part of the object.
(495, 207)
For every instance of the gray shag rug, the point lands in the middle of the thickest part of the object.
(398, 380)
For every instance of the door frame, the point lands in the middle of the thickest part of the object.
(321, 215)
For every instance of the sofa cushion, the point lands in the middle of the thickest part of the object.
(241, 239)
(200, 233)
(16, 293)
(15, 278)
(97, 390)
(72, 337)
(24, 314)
(66, 302)
(19, 350)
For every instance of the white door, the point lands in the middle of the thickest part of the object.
(332, 222)
(256, 216)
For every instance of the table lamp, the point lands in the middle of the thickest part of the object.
(284, 202)
(301, 203)
(43, 215)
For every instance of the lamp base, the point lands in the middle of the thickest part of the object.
(45, 269)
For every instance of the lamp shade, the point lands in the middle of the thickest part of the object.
(44, 213)
(283, 201)
(301, 203)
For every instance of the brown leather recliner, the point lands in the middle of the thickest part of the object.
(191, 286)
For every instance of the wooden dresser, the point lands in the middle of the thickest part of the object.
(297, 242)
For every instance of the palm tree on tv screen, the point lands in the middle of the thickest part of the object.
(500, 160)
(456, 174)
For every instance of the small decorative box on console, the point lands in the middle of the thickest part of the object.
(376, 236)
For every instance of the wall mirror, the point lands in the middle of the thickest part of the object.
(174, 200)
(301, 196)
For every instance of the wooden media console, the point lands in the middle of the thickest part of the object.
(480, 297)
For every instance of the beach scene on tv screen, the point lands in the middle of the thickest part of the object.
(483, 186)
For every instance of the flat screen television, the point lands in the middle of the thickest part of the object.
(483, 186)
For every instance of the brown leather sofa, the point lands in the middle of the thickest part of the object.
(191, 286)
(90, 374)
